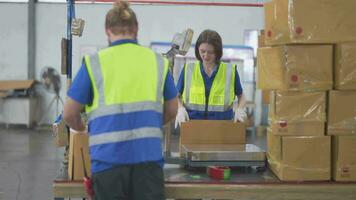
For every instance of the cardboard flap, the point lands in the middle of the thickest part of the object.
(77, 142)
(212, 132)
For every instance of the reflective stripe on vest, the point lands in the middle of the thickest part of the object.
(105, 110)
(121, 136)
(201, 107)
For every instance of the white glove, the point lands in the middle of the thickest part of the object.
(182, 116)
(240, 115)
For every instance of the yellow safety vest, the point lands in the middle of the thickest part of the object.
(125, 78)
(221, 95)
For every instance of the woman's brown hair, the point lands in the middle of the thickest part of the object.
(121, 19)
(213, 38)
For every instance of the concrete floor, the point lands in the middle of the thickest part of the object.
(29, 161)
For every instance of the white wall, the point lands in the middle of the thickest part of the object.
(13, 41)
(157, 23)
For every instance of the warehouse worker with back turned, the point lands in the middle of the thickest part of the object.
(128, 93)
(208, 87)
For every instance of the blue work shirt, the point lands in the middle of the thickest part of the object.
(208, 82)
(81, 91)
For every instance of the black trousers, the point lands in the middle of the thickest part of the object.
(144, 181)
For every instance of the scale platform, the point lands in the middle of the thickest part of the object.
(202, 155)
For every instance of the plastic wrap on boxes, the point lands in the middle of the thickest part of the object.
(295, 67)
(345, 66)
(297, 106)
(342, 113)
(310, 21)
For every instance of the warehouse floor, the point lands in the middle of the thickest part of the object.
(29, 161)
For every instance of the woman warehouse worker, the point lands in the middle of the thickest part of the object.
(209, 86)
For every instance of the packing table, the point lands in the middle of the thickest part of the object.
(245, 183)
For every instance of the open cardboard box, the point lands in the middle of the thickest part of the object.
(212, 132)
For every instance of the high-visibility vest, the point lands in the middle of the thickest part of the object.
(126, 79)
(221, 95)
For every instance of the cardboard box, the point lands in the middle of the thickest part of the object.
(295, 67)
(297, 113)
(61, 134)
(212, 132)
(16, 84)
(293, 106)
(306, 21)
(342, 113)
(345, 66)
(77, 142)
(344, 158)
(299, 158)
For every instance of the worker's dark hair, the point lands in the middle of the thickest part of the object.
(213, 38)
(121, 19)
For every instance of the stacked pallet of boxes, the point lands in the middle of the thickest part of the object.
(342, 113)
(309, 43)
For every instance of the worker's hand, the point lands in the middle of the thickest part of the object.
(240, 115)
(182, 116)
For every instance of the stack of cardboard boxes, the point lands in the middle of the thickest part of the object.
(309, 63)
